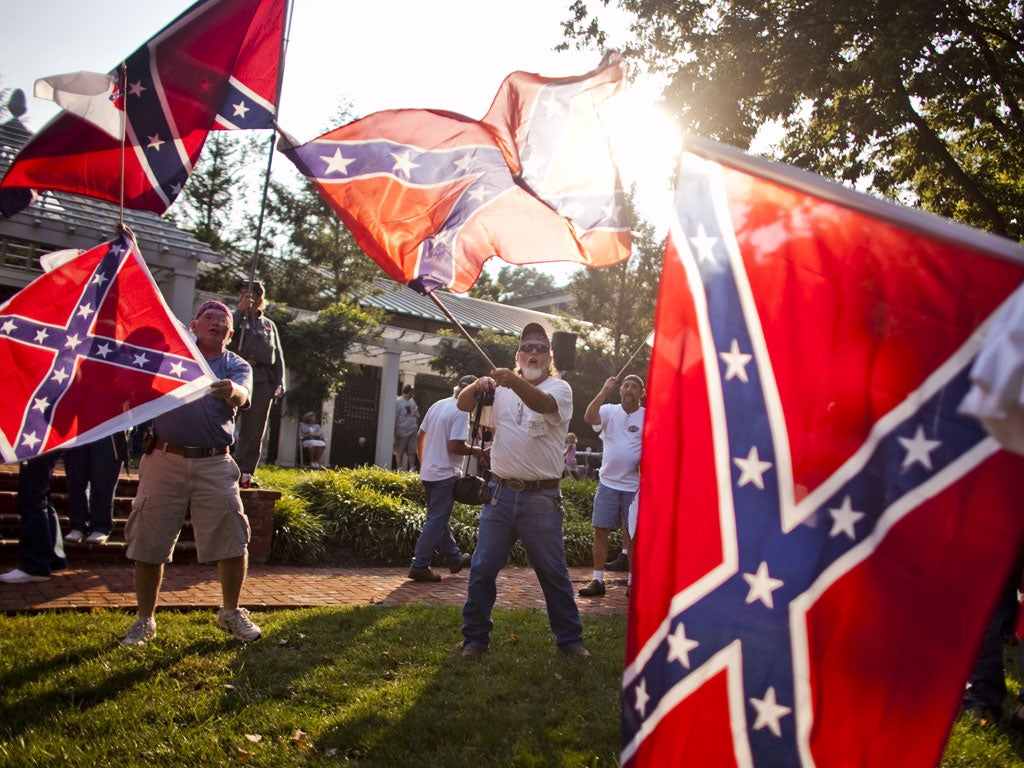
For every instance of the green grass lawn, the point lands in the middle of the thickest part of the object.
(357, 686)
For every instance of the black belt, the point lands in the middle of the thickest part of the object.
(530, 485)
(191, 451)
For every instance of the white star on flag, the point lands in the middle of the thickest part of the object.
(40, 404)
(761, 585)
(41, 335)
(679, 646)
(60, 375)
(72, 341)
(403, 163)
(769, 712)
(139, 360)
(735, 362)
(154, 142)
(844, 518)
(240, 109)
(136, 88)
(703, 244)
(103, 350)
(84, 311)
(337, 163)
(641, 697)
(177, 368)
(752, 469)
(8, 326)
(919, 449)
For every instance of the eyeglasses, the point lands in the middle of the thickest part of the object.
(531, 346)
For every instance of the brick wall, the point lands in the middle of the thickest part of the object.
(259, 508)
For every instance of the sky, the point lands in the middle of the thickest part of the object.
(385, 54)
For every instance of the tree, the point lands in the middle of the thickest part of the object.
(915, 99)
(518, 282)
(486, 288)
(208, 206)
(315, 351)
(456, 357)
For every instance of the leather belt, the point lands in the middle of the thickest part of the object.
(530, 485)
(191, 451)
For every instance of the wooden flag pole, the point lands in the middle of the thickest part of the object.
(123, 87)
(460, 329)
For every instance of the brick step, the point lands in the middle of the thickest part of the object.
(112, 551)
(127, 485)
(10, 525)
(9, 503)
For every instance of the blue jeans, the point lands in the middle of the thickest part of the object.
(535, 518)
(92, 471)
(40, 546)
(437, 529)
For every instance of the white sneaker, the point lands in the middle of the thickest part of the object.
(141, 632)
(74, 536)
(96, 537)
(18, 576)
(238, 623)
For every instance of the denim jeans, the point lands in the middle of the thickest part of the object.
(40, 546)
(535, 518)
(92, 471)
(987, 686)
(437, 529)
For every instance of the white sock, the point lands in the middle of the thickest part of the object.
(599, 575)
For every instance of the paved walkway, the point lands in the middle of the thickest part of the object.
(187, 587)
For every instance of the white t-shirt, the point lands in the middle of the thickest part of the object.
(443, 422)
(529, 445)
(622, 434)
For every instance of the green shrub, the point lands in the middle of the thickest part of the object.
(379, 514)
(300, 536)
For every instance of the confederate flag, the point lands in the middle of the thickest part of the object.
(821, 535)
(430, 196)
(89, 349)
(214, 67)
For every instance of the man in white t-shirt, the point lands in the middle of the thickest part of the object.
(441, 446)
(622, 430)
(531, 413)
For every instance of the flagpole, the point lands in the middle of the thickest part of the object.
(285, 33)
(123, 87)
(460, 329)
(633, 356)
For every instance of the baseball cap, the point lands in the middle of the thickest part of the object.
(534, 332)
(257, 286)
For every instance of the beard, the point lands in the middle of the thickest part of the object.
(533, 372)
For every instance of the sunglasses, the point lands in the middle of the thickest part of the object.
(531, 346)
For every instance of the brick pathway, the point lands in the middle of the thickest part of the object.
(279, 586)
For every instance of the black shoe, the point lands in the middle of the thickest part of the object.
(464, 562)
(1017, 718)
(983, 715)
(619, 565)
(594, 589)
(423, 574)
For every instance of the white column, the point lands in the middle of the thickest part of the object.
(386, 409)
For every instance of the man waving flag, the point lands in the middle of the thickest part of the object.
(822, 535)
(214, 67)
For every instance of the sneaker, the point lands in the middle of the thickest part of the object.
(619, 565)
(464, 562)
(238, 623)
(423, 574)
(18, 576)
(74, 536)
(983, 715)
(140, 633)
(594, 589)
(97, 537)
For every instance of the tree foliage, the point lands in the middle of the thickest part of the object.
(518, 282)
(456, 357)
(919, 100)
(315, 351)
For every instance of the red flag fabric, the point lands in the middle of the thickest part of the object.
(89, 349)
(821, 535)
(214, 67)
(430, 196)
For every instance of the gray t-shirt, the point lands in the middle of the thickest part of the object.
(207, 422)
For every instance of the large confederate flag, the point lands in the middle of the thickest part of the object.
(89, 349)
(821, 535)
